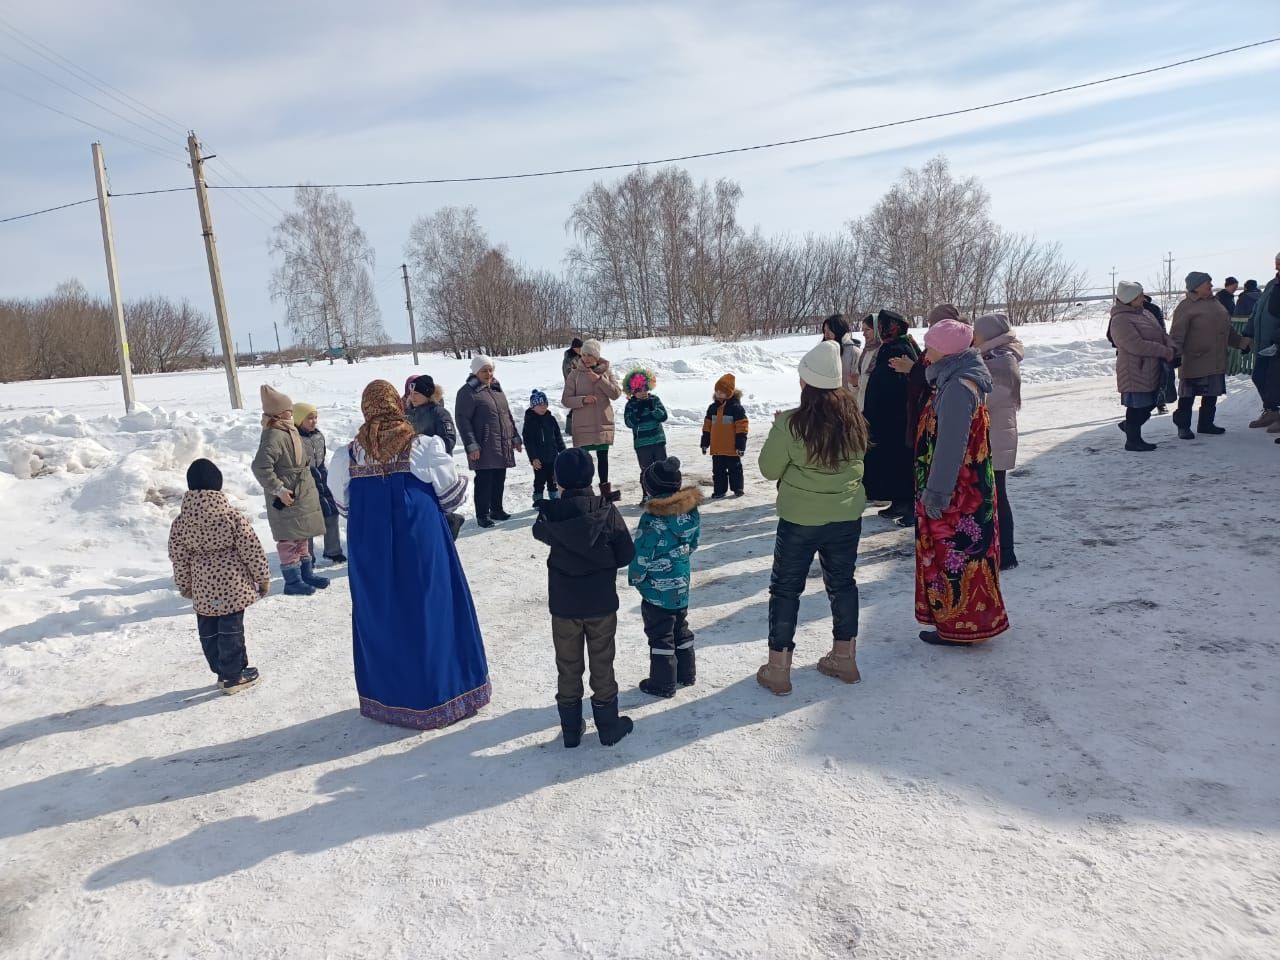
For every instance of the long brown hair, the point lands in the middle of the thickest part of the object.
(830, 426)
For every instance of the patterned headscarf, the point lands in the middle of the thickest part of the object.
(385, 434)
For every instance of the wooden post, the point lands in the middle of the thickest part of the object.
(215, 274)
(279, 353)
(408, 305)
(113, 279)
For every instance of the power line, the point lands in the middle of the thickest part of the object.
(120, 136)
(777, 143)
(36, 213)
(75, 93)
(677, 159)
(80, 73)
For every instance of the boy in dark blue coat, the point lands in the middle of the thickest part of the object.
(542, 443)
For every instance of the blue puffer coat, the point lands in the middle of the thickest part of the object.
(668, 535)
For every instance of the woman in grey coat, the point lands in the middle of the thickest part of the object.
(1002, 352)
(293, 503)
(489, 435)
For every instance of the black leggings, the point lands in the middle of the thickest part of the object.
(1004, 514)
(602, 464)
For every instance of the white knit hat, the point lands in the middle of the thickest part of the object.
(1128, 291)
(592, 348)
(479, 362)
(821, 367)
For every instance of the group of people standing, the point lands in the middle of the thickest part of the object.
(419, 656)
(1195, 348)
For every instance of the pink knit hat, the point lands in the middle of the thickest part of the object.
(949, 337)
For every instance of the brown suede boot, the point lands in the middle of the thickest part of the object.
(841, 662)
(775, 676)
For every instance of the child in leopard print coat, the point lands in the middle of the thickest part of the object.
(219, 565)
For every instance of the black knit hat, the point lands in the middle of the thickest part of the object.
(577, 344)
(425, 386)
(574, 469)
(662, 477)
(203, 475)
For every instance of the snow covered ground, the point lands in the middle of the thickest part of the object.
(1103, 781)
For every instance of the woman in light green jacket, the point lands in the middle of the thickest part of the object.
(815, 454)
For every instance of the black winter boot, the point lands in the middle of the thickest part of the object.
(1182, 419)
(309, 576)
(686, 668)
(609, 725)
(572, 726)
(1208, 411)
(661, 681)
(455, 520)
(610, 494)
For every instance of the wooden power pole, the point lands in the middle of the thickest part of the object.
(279, 353)
(408, 305)
(215, 274)
(113, 278)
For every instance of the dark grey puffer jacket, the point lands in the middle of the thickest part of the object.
(433, 420)
(955, 404)
(485, 423)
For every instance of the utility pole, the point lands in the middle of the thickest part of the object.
(252, 353)
(215, 273)
(1113, 282)
(328, 337)
(113, 278)
(408, 305)
(1168, 280)
(279, 353)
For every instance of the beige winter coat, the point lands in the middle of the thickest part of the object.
(217, 559)
(1140, 346)
(592, 422)
(1201, 331)
(276, 468)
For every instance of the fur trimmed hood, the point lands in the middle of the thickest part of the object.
(736, 395)
(681, 502)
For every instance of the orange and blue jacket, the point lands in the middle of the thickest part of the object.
(724, 431)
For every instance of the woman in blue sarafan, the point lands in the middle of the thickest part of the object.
(419, 656)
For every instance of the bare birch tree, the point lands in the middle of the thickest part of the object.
(324, 272)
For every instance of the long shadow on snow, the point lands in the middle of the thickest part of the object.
(447, 776)
(78, 795)
(104, 715)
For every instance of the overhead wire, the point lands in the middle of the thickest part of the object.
(596, 168)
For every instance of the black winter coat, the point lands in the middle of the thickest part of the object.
(541, 435)
(1228, 300)
(433, 420)
(589, 543)
(887, 467)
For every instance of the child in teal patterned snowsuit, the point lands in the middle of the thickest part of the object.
(666, 539)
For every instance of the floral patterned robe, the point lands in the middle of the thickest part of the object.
(958, 555)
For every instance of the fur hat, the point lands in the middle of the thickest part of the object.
(727, 385)
(538, 399)
(574, 469)
(274, 403)
(425, 385)
(1197, 278)
(301, 411)
(662, 477)
(592, 348)
(1128, 291)
(479, 362)
(639, 378)
(821, 366)
(204, 475)
(943, 311)
(949, 337)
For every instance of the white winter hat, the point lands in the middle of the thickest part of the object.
(592, 348)
(479, 362)
(1128, 291)
(821, 367)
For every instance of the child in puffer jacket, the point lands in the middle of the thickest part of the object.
(542, 444)
(219, 565)
(644, 417)
(666, 539)
(314, 449)
(724, 433)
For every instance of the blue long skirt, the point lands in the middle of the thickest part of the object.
(419, 657)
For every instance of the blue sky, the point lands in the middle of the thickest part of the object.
(1181, 161)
